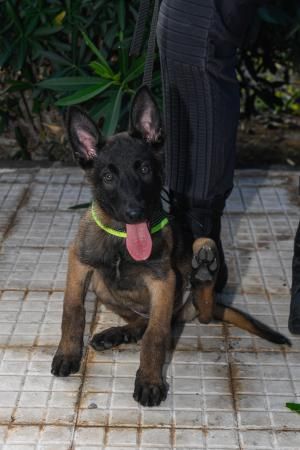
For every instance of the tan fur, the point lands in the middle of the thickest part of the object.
(204, 295)
(155, 340)
(236, 318)
(73, 320)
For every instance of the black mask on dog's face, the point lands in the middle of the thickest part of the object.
(124, 170)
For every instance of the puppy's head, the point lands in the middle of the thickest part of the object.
(124, 170)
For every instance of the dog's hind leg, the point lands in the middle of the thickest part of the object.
(115, 336)
(68, 355)
(205, 265)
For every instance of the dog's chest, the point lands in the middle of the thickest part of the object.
(118, 279)
(111, 262)
(122, 287)
(121, 275)
(110, 257)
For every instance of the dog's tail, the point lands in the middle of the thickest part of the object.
(248, 323)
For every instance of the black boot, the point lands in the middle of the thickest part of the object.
(294, 318)
(204, 221)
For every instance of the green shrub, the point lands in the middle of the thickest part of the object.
(61, 52)
(268, 68)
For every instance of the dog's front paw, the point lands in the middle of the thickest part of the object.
(149, 394)
(63, 365)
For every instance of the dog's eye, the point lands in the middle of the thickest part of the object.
(108, 177)
(145, 170)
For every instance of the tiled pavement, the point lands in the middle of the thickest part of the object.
(227, 389)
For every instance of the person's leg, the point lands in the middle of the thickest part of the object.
(294, 318)
(198, 42)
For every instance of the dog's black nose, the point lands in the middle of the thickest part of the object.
(135, 214)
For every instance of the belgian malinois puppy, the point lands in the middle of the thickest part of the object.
(138, 262)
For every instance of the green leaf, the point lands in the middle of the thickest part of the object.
(101, 70)
(16, 86)
(104, 107)
(31, 26)
(96, 52)
(274, 14)
(84, 94)
(123, 57)
(5, 54)
(293, 407)
(12, 14)
(294, 31)
(36, 49)
(121, 14)
(68, 83)
(113, 121)
(55, 58)
(110, 35)
(59, 18)
(21, 54)
(135, 71)
(47, 30)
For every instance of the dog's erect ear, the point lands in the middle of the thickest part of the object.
(145, 120)
(84, 137)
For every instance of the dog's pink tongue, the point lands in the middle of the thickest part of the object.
(138, 241)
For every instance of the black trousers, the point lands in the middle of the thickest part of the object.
(197, 41)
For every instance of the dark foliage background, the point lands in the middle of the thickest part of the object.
(58, 53)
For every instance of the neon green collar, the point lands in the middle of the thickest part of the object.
(157, 225)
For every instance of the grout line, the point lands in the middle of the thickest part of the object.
(50, 391)
(171, 394)
(20, 391)
(7, 345)
(140, 426)
(230, 350)
(84, 368)
(261, 266)
(109, 401)
(276, 243)
(230, 362)
(291, 376)
(203, 392)
(204, 429)
(13, 217)
(269, 410)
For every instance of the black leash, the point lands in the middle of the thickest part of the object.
(137, 41)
